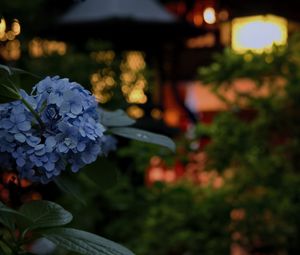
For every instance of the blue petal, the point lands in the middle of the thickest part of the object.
(86, 158)
(40, 150)
(65, 107)
(33, 141)
(75, 168)
(62, 148)
(20, 117)
(7, 124)
(20, 137)
(81, 147)
(82, 132)
(50, 143)
(49, 166)
(24, 126)
(38, 163)
(39, 147)
(76, 108)
(55, 99)
(20, 162)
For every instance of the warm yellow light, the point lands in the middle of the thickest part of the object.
(137, 96)
(135, 112)
(2, 27)
(133, 82)
(207, 40)
(39, 47)
(156, 113)
(209, 15)
(102, 83)
(172, 117)
(258, 33)
(135, 60)
(106, 56)
(198, 20)
(10, 35)
(15, 27)
(128, 77)
(11, 50)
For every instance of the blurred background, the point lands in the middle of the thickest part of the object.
(221, 77)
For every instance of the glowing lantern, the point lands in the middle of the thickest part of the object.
(258, 33)
(209, 15)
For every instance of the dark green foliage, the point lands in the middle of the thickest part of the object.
(263, 151)
(144, 136)
(168, 220)
(45, 219)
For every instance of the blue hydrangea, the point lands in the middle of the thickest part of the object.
(71, 133)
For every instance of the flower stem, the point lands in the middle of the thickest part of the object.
(35, 114)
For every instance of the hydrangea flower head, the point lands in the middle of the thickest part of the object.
(71, 132)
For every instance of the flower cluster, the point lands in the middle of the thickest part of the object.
(57, 125)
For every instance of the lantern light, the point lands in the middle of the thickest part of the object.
(258, 33)
(209, 15)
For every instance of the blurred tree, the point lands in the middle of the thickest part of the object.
(261, 152)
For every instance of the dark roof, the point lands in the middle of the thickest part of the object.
(90, 11)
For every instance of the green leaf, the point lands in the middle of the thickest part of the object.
(42, 214)
(4, 249)
(8, 89)
(8, 93)
(6, 68)
(116, 118)
(13, 70)
(69, 187)
(83, 242)
(144, 136)
(7, 216)
(7, 220)
(6, 209)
